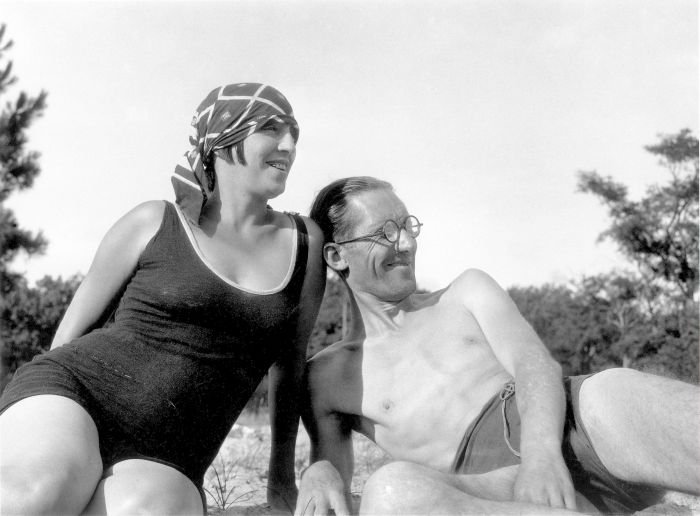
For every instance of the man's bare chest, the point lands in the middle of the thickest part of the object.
(418, 371)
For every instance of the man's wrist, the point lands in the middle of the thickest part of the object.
(541, 453)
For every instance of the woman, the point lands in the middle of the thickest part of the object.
(208, 293)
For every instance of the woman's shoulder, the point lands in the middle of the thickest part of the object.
(314, 231)
(311, 228)
(148, 211)
(143, 220)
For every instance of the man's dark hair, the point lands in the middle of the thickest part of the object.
(329, 208)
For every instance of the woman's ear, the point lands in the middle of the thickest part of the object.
(333, 257)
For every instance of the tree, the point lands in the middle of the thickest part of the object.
(18, 169)
(30, 317)
(21, 336)
(659, 232)
(599, 322)
(651, 318)
(329, 323)
(575, 326)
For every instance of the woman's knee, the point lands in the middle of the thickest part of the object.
(146, 487)
(157, 502)
(49, 456)
(59, 490)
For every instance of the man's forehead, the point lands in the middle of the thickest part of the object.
(375, 207)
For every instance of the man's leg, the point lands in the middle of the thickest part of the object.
(407, 488)
(645, 428)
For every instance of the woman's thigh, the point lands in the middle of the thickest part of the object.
(139, 486)
(49, 456)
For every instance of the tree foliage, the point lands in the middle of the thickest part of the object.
(599, 322)
(30, 316)
(646, 319)
(330, 321)
(18, 167)
(659, 232)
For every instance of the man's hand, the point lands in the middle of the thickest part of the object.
(545, 480)
(321, 490)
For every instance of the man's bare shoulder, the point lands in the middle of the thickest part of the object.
(334, 361)
(472, 282)
(334, 378)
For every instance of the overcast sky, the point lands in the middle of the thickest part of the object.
(479, 112)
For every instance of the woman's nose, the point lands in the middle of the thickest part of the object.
(286, 142)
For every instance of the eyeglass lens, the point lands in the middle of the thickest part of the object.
(392, 229)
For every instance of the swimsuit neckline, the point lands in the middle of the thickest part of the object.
(205, 262)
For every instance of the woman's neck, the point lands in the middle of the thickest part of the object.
(237, 213)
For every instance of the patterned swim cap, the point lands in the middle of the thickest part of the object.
(228, 115)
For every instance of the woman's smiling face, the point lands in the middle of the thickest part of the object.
(270, 154)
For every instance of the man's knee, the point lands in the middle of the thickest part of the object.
(611, 378)
(399, 488)
(601, 394)
(643, 427)
(614, 391)
(387, 489)
(383, 485)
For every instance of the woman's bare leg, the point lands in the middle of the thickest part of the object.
(49, 457)
(138, 486)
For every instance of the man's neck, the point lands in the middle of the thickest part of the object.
(373, 317)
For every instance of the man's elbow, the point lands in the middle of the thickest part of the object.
(538, 365)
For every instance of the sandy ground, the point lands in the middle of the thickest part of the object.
(236, 482)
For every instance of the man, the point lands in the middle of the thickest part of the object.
(458, 387)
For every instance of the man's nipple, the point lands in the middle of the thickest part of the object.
(387, 405)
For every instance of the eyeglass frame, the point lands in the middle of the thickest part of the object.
(381, 232)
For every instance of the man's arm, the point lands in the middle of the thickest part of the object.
(286, 380)
(542, 476)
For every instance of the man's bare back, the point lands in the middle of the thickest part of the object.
(412, 390)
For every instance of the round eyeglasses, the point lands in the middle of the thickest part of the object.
(391, 230)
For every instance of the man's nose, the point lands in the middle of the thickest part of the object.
(406, 242)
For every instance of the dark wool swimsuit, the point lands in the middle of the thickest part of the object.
(187, 348)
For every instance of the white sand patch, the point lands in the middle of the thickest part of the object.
(236, 483)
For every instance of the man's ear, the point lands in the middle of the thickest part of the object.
(333, 257)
